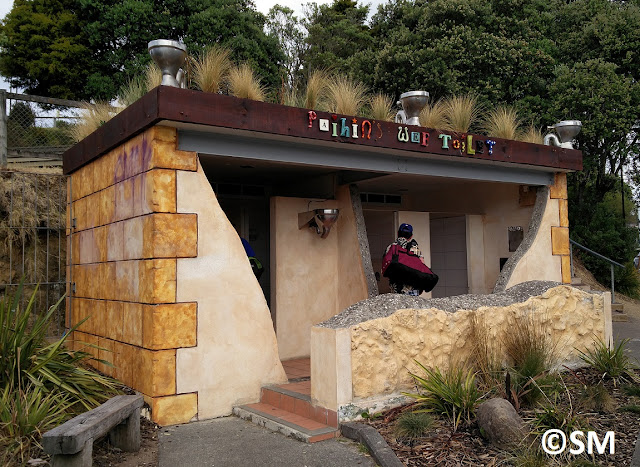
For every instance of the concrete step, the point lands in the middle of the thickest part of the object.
(577, 283)
(287, 409)
(288, 423)
(617, 313)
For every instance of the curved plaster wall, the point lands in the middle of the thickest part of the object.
(534, 259)
(236, 350)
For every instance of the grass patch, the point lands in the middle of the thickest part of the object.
(412, 425)
(630, 408)
(595, 399)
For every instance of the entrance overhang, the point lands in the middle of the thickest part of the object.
(340, 157)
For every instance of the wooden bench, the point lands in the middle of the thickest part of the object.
(71, 444)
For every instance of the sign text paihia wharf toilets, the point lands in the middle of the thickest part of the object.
(344, 129)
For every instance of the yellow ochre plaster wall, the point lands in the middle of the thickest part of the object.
(124, 240)
(382, 351)
(236, 352)
(315, 278)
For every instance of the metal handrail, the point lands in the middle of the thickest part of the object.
(610, 261)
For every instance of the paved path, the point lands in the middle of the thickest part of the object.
(629, 330)
(231, 442)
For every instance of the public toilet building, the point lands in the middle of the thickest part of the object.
(160, 195)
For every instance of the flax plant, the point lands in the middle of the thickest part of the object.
(381, 107)
(244, 83)
(461, 113)
(531, 134)
(316, 90)
(211, 69)
(502, 122)
(346, 96)
(453, 393)
(434, 115)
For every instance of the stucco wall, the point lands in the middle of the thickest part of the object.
(383, 350)
(237, 351)
(544, 253)
(122, 259)
(314, 278)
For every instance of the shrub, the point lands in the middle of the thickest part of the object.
(413, 425)
(41, 382)
(612, 363)
(453, 393)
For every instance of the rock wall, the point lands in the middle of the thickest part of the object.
(383, 350)
(363, 356)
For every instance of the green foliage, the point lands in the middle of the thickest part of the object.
(532, 353)
(45, 48)
(41, 382)
(453, 393)
(556, 417)
(595, 399)
(631, 390)
(631, 408)
(24, 415)
(413, 425)
(336, 33)
(612, 363)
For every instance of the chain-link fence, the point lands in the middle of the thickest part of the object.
(37, 127)
(32, 239)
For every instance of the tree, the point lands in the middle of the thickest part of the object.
(87, 49)
(287, 29)
(45, 49)
(337, 33)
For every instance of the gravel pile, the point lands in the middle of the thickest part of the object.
(386, 304)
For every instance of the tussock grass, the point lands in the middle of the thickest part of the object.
(502, 122)
(244, 83)
(412, 425)
(532, 353)
(316, 90)
(381, 107)
(434, 115)
(152, 76)
(595, 399)
(531, 134)
(92, 117)
(212, 68)
(486, 356)
(461, 113)
(346, 96)
(132, 91)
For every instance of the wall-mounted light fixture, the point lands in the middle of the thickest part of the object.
(169, 56)
(567, 130)
(321, 220)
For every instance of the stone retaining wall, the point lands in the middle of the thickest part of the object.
(369, 361)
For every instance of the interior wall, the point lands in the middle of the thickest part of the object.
(313, 278)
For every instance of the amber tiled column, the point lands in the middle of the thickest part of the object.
(125, 237)
(560, 234)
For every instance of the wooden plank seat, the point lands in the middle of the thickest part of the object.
(71, 444)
